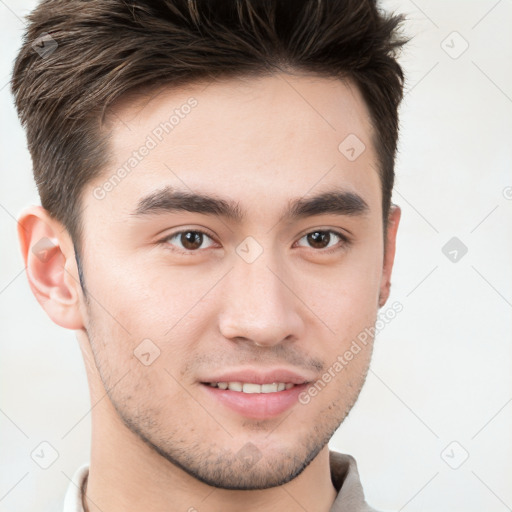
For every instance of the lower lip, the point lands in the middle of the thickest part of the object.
(257, 405)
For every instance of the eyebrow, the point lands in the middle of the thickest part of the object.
(168, 200)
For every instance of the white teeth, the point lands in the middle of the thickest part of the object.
(269, 388)
(250, 387)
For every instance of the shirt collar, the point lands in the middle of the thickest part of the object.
(345, 478)
(73, 498)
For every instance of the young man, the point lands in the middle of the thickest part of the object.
(217, 227)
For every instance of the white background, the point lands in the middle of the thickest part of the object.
(441, 372)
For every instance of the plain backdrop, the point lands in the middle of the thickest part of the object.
(431, 430)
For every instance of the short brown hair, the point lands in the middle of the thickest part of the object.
(98, 50)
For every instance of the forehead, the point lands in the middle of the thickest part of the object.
(268, 138)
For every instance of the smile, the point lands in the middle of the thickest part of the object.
(250, 387)
(252, 400)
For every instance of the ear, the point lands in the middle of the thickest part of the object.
(389, 253)
(50, 263)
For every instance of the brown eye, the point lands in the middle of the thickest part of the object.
(319, 239)
(189, 240)
(324, 239)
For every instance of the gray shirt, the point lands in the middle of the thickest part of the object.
(344, 475)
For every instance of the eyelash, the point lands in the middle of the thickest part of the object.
(344, 239)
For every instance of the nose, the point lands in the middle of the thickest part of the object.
(260, 305)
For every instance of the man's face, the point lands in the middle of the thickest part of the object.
(259, 299)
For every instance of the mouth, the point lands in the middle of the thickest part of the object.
(256, 396)
(251, 387)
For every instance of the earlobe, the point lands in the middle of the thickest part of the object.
(389, 253)
(49, 259)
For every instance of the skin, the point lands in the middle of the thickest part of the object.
(260, 142)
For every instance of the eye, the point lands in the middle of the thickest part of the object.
(190, 239)
(321, 239)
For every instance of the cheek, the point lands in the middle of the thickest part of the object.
(141, 366)
(142, 299)
(346, 296)
(142, 320)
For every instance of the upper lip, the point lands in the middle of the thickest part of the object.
(260, 376)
